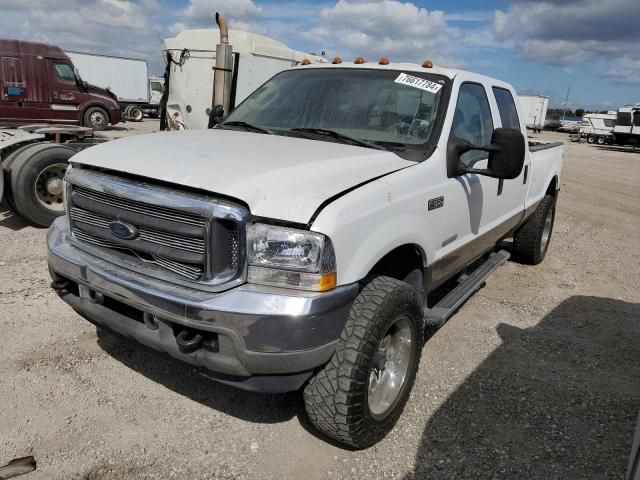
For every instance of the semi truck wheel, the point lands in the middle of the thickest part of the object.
(359, 395)
(531, 240)
(6, 167)
(36, 175)
(96, 118)
(591, 139)
(600, 140)
(136, 114)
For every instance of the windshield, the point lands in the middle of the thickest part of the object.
(370, 105)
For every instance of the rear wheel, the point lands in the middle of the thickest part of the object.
(600, 141)
(36, 176)
(531, 240)
(359, 395)
(591, 139)
(96, 118)
(136, 114)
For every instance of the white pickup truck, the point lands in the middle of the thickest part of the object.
(311, 240)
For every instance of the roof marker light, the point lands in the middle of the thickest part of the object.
(427, 64)
(336, 60)
(359, 60)
(383, 61)
(306, 61)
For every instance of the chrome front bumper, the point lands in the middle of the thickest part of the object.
(267, 339)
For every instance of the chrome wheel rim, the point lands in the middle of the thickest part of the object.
(390, 367)
(546, 231)
(97, 119)
(50, 188)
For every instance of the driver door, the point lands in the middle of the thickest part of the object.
(65, 96)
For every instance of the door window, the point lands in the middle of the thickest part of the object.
(472, 121)
(64, 72)
(506, 108)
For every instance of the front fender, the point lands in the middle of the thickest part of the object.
(369, 222)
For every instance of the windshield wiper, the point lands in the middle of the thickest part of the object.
(339, 136)
(247, 126)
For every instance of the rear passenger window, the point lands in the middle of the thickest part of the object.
(507, 108)
(12, 71)
(472, 121)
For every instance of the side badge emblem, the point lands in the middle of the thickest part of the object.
(123, 230)
(435, 203)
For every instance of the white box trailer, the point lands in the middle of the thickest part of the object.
(192, 54)
(127, 78)
(534, 108)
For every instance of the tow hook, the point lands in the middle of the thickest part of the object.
(189, 342)
(60, 285)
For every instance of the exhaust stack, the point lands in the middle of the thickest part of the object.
(223, 69)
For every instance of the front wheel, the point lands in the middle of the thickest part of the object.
(359, 395)
(96, 118)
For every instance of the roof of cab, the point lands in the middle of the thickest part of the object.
(13, 47)
(413, 67)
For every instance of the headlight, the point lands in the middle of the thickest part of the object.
(291, 258)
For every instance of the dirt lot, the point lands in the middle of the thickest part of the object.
(537, 376)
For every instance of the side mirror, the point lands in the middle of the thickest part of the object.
(215, 116)
(506, 154)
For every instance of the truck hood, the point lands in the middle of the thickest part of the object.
(278, 177)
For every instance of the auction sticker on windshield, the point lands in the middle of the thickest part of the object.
(418, 82)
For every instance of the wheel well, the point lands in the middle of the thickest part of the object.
(553, 187)
(405, 263)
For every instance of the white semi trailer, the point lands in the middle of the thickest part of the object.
(534, 108)
(127, 78)
(191, 58)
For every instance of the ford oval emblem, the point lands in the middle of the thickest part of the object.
(123, 230)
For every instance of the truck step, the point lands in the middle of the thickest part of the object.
(469, 284)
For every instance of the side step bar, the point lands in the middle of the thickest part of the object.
(445, 308)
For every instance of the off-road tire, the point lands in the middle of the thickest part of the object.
(103, 124)
(528, 245)
(336, 398)
(24, 172)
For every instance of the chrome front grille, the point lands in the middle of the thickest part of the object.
(139, 207)
(156, 237)
(200, 240)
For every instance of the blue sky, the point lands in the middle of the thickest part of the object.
(539, 46)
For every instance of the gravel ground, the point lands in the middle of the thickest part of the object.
(535, 377)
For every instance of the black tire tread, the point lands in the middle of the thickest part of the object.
(21, 181)
(334, 396)
(527, 239)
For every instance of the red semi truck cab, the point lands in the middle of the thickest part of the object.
(39, 84)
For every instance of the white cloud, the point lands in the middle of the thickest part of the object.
(392, 28)
(567, 32)
(201, 13)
